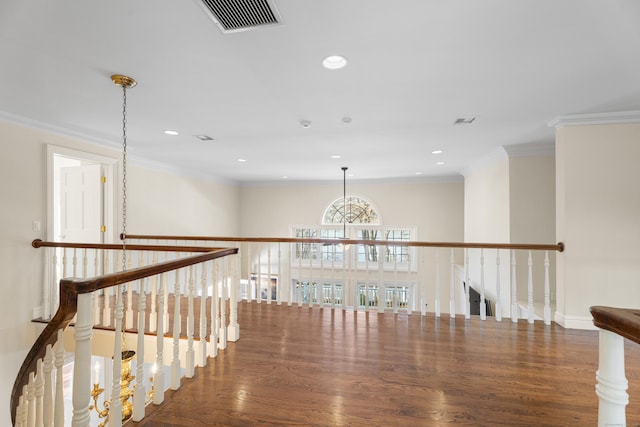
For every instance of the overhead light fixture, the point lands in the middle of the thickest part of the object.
(305, 123)
(334, 62)
(437, 152)
(346, 120)
(440, 163)
(242, 160)
(418, 173)
(171, 132)
(204, 137)
(336, 156)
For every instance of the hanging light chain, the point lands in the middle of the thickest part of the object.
(124, 177)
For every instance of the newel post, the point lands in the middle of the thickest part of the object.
(611, 382)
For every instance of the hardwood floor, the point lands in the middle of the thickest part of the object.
(301, 367)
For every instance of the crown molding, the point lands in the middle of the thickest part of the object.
(536, 149)
(591, 119)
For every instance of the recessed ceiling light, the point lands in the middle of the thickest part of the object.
(171, 132)
(418, 173)
(285, 177)
(347, 119)
(440, 163)
(437, 152)
(334, 62)
(242, 160)
(335, 156)
(204, 137)
(305, 123)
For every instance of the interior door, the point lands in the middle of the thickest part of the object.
(81, 204)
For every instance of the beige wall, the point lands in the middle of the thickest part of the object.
(598, 216)
(435, 208)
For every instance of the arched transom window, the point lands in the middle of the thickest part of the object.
(350, 210)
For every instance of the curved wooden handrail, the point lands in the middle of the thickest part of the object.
(69, 291)
(527, 246)
(38, 243)
(622, 321)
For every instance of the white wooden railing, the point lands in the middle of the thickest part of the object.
(210, 275)
(512, 280)
(615, 325)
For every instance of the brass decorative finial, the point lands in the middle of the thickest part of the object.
(123, 81)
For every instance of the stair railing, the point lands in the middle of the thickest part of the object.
(37, 395)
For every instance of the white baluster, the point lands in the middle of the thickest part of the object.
(258, 276)
(467, 281)
(31, 404)
(165, 311)
(39, 393)
(82, 362)
(279, 282)
(483, 307)
(190, 356)
(106, 309)
(438, 285)
(64, 263)
(85, 263)
(547, 302)
(202, 344)
(158, 376)
(48, 283)
(233, 330)
(139, 391)
(48, 388)
(268, 275)
(215, 325)
(514, 288)
(382, 297)
(498, 294)
(21, 410)
(175, 363)
(531, 310)
(59, 362)
(299, 280)
(115, 411)
(611, 382)
(75, 263)
(129, 314)
(222, 337)
(153, 317)
(452, 293)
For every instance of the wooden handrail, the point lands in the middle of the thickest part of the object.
(38, 243)
(69, 291)
(622, 321)
(527, 246)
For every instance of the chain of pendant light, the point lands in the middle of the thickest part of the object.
(124, 82)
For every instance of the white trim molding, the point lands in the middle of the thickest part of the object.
(592, 119)
(574, 322)
(534, 149)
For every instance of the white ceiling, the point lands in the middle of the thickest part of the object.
(415, 66)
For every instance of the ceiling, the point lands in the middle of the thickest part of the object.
(414, 68)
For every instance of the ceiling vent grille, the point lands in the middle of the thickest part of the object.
(241, 15)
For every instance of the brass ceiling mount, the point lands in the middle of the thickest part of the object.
(123, 81)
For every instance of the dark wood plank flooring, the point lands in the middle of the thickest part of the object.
(317, 367)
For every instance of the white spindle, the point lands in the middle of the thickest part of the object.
(106, 309)
(483, 306)
(611, 381)
(202, 334)
(153, 326)
(48, 388)
(48, 283)
(514, 288)
(31, 401)
(75, 262)
(165, 311)
(115, 410)
(139, 391)
(158, 376)
(190, 356)
(299, 279)
(21, 411)
(82, 363)
(258, 277)
(530, 309)
(438, 286)
(467, 281)
(233, 330)
(310, 276)
(382, 297)
(64, 263)
(39, 393)
(498, 312)
(452, 293)
(547, 302)
(222, 337)
(85, 263)
(269, 293)
(215, 325)
(175, 363)
(59, 363)
(129, 315)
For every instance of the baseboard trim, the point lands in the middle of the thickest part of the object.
(574, 322)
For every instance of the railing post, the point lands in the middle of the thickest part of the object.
(530, 308)
(175, 362)
(202, 334)
(115, 410)
(222, 338)
(452, 292)
(437, 302)
(498, 312)
(514, 288)
(39, 393)
(483, 306)
(547, 302)
(158, 376)
(139, 392)
(611, 382)
(58, 411)
(213, 336)
(190, 354)
(82, 363)
(48, 387)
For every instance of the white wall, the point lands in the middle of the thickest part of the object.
(159, 202)
(598, 218)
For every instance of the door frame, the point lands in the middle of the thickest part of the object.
(110, 166)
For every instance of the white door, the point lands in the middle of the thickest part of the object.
(81, 204)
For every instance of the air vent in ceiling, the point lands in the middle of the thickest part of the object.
(241, 15)
(464, 121)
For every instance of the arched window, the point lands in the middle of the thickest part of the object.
(352, 210)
